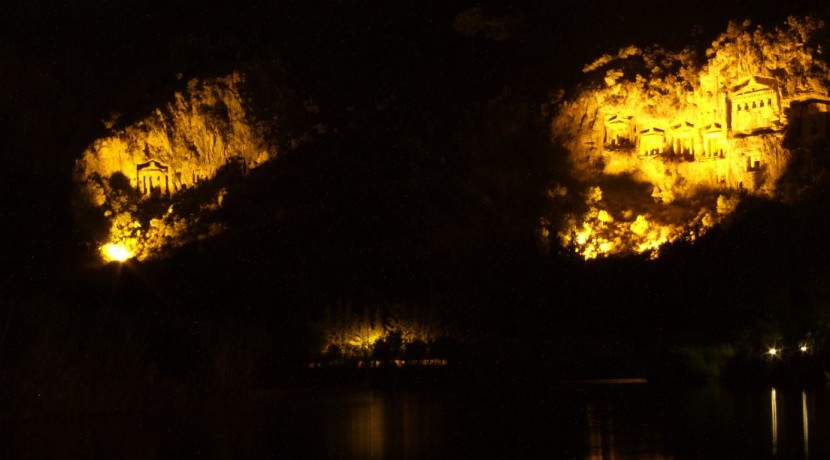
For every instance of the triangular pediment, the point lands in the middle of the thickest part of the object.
(754, 84)
(152, 164)
(683, 126)
(653, 132)
(617, 120)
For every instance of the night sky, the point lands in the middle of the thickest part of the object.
(425, 188)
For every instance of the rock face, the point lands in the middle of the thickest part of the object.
(188, 141)
(203, 130)
(689, 126)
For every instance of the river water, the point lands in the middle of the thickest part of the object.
(574, 421)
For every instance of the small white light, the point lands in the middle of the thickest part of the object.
(772, 352)
(804, 348)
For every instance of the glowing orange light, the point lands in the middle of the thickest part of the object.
(116, 252)
(366, 338)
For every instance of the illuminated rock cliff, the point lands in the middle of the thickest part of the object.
(690, 133)
(127, 175)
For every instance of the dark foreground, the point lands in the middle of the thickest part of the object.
(575, 420)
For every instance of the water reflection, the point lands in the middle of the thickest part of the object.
(619, 425)
(600, 435)
(365, 434)
(595, 437)
(590, 422)
(805, 423)
(788, 438)
(774, 402)
(384, 425)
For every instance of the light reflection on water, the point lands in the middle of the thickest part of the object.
(574, 421)
(707, 422)
(774, 405)
(775, 419)
(364, 430)
(377, 424)
(805, 423)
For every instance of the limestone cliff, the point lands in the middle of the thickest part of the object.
(692, 126)
(202, 130)
(199, 131)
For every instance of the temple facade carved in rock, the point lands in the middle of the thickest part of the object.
(724, 139)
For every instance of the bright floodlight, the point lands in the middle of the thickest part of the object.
(116, 252)
(772, 351)
(804, 348)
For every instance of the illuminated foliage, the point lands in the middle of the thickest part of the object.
(381, 336)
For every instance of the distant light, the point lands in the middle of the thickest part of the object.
(804, 348)
(772, 351)
(116, 252)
